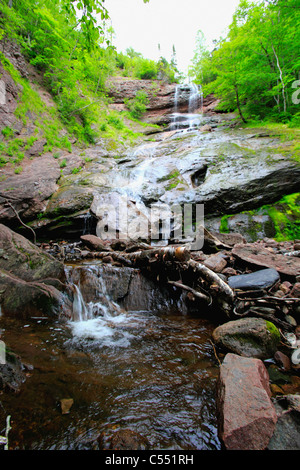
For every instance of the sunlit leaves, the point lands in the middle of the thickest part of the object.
(258, 60)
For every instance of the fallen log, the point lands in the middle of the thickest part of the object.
(179, 258)
(196, 293)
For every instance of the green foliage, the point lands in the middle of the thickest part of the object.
(137, 106)
(133, 64)
(286, 217)
(7, 132)
(254, 68)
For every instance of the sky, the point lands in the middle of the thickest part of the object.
(143, 26)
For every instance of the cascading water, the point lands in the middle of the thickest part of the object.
(191, 119)
(194, 98)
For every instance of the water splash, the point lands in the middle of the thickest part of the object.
(100, 322)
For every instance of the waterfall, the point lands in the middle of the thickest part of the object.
(97, 320)
(109, 303)
(194, 98)
(195, 101)
(80, 310)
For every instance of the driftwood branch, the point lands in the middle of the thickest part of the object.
(21, 222)
(219, 292)
(197, 294)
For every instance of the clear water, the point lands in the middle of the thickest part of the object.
(153, 373)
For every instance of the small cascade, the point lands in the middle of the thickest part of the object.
(194, 98)
(191, 119)
(109, 303)
(80, 311)
(87, 223)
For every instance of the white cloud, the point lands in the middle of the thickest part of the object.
(168, 22)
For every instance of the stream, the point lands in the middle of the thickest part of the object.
(132, 357)
(151, 371)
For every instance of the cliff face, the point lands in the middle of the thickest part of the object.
(161, 97)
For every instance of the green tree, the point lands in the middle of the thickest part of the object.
(256, 64)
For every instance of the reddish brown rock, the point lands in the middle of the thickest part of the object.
(246, 415)
(282, 360)
(215, 262)
(94, 243)
(259, 256)
(295, 292)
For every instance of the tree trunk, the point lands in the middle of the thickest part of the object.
(281, 79)
(238, 103)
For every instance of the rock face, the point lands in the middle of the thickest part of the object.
(249, 337)
(161, 96)
(28, 193)
(31, 281)
(8, 102)
(246, 415)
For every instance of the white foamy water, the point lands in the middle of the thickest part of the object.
(102, 331)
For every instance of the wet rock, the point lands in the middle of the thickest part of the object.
(12, 373)
(246, 415)
(230, 239)
(124, 439)
(249, 337)
(206, 128)
(25, 260)
(262, 279)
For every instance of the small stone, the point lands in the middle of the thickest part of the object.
(291, 320)
(229, 272)
(295, 292)
(279, 294)
(276, 390)
(216, 263)
(282, 360)
(66, 404)
(284, 288)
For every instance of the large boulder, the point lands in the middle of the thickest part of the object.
(249, 337)
(246, 415)
(32, 282)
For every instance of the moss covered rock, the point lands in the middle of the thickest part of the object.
(248, 337)
(31, 281)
